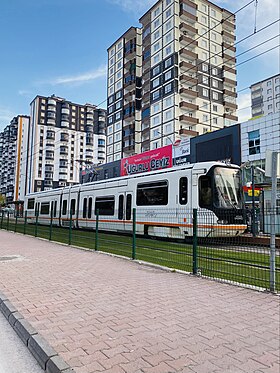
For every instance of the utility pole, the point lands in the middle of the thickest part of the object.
(273, 219)
(253, 202)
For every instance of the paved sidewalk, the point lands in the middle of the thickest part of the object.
(105, 314)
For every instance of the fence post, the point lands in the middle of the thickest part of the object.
(51, 223)
(134, 235)
(36, 226)
(96, 229)
(16, 222)
(70, 228)
(8, 221)
(2, 217)
(25, 221)
(194, 241)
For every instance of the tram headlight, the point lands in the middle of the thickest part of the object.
(222, 222)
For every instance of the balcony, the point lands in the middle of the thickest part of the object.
(230, 82)
(65, 111)
(188, 93)
(64, 124)
(188, 120)
(228, 26)
(190, 30)
(188, 106)
(229, 93)
(187, 41)
(188, 17)
(185, 53)
(229, 69)
(228, 37)
(231, 117)
(51, 102)
(188, 79)
(230, 105)
(186, 132)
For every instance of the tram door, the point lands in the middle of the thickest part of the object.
(125, 211)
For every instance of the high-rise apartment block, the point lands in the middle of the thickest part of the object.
(13, 158)
(63, 137)
(265, 96)
(173, 77)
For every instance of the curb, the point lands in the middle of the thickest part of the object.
(46, 356)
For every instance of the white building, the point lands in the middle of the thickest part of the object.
(13, 159)
(63, 137)
(265, 96)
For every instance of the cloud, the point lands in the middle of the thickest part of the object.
(25, 92)
(137, 7)
(244, 107)
(80, 78)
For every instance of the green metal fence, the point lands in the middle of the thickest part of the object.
(178, 239)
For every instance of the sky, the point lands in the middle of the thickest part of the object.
(60, 47)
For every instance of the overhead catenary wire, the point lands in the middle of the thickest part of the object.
(248, 36)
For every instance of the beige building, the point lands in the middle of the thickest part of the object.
(63, 137)
(184, 81)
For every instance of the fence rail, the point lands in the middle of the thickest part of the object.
(182, 242)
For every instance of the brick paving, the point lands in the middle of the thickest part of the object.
(106, 314)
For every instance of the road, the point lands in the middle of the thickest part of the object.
(14, 355)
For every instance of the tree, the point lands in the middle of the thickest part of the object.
(2, 200)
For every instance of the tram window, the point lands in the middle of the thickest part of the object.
(31, 203)
(105, 205)
(89, 207)
(183, 191)
(152, 193)
(205, 192)
(64, 207)
(120, 212)
(73, 206)
(45, 208)
(128, 206)
(85, 208)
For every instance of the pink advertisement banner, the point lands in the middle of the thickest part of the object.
(149, 161)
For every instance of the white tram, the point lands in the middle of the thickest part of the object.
(163, 200)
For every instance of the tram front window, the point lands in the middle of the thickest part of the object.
(227, 191)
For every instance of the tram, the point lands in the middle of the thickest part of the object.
(163, 199)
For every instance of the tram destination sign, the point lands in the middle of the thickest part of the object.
(149, 161)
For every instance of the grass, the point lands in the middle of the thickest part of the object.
(239, 264)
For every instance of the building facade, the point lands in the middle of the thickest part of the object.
(63, 138)
(265, 96)
(124, 95)
(186, 72)
(257, 136)
(13, 159)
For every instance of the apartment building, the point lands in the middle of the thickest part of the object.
(124, 95)
(64, 137)
(185, 56)
(13, 158)
(265, 96)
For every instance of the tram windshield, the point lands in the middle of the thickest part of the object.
(227, 191)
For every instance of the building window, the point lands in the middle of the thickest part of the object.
(204, 67)
(155, 83)
(215, 108)
(215, 96)
(254, 142)
(205, 79)
(205, 92)
(156, 70)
